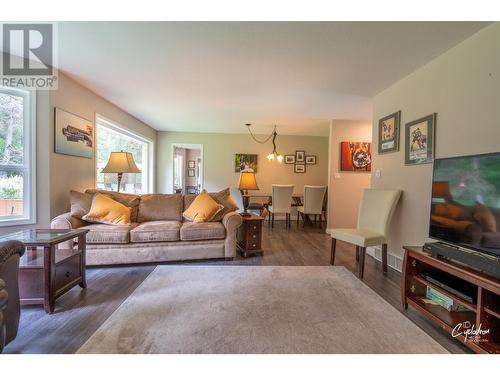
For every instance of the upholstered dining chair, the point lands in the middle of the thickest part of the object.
(281, 202)
(375, 213)
(313, 203)
(10, 253)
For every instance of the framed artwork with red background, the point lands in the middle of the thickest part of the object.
(355, 156)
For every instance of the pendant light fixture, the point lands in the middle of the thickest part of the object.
(274, 155)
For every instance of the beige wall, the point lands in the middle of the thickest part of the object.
(344, 190)
(218, 160)
(71, 172)
(463, 87)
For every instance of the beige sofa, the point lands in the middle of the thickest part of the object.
(158, 232)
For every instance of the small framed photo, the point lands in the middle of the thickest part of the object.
(300, 156)
(191, 164)
(310, 159)
(419, 140)
(388, 133)
(289, 159)
(190, 172)
(300, 168)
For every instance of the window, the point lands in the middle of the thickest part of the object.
(112, 137)
(17, 157)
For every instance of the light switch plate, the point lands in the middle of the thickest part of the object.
(337, 176)
(378, 173)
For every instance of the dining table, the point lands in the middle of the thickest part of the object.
(297, 198)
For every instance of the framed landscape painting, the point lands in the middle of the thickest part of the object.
(419, 140)
(388, 133)
(73, 135)
(245, 163)
(355, 156)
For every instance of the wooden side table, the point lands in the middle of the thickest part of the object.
(249, 235)
(47, 272)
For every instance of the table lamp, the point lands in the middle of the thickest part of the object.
(247, 182)
(121, 162)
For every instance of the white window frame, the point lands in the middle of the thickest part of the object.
(114, 126)
(29, 158)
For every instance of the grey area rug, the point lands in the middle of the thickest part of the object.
(245, 309)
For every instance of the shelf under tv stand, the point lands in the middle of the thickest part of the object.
(484, 312)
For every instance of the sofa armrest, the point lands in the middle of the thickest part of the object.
(66, 221)
(231, 222)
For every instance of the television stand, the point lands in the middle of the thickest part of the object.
(478, 327)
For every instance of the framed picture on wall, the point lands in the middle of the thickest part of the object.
(419, 140)
(245, 163)
(289, 159)
(300, 156)
(73, 135)
(388, 133)
(191, 164)
(355, 156)
(190, 172)
(300, 168)
(310, 159)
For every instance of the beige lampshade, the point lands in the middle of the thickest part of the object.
(121, 162)
(247, 181)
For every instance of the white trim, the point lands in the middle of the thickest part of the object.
(197, 146)
(29, 157)
(114, 126)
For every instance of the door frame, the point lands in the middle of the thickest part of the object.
(198, 146)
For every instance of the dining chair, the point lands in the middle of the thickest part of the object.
(374, 215)
(281, 202)
(313, 203)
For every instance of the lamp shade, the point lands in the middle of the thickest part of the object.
(247, 181)
(121, 162)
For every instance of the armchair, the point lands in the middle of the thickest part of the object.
(10, 253)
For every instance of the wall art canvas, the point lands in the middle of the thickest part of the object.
(245, 163)
(73, 135)
(388, 133)
(355, 156)
(419, 140)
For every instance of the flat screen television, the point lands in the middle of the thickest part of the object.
(465, 203)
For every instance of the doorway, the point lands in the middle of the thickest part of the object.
(187, 168)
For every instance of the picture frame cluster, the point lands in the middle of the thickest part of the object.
(419, 137)
(300, 160)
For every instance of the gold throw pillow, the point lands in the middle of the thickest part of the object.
(203, 208)
(105, 210)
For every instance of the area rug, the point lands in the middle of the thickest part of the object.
(249, 309)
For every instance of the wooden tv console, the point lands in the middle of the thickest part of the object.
(483, 313)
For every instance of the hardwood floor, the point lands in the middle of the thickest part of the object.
(80, 312)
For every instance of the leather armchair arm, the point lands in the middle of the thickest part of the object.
(232, 221)
(67, 221)
(9, 248)
(3, 304)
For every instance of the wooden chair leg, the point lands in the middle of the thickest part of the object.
(315, 218)
(357, 254)
(321, 220)
(384, 258)
(361, 265)
(332, 255)
(298, 216)
(272, 221)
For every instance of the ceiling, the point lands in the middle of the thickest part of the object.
(217, 76)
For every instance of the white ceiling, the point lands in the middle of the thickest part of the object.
(217, 76)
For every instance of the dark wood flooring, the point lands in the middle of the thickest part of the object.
(80, 312)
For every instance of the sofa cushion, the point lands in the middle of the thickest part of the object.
(222, 197)
(104, 233)
(129, 200)
(156, 231)
(203, 208)
(80, 203)
(191, 231)
(154, 207)
(106, 210)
